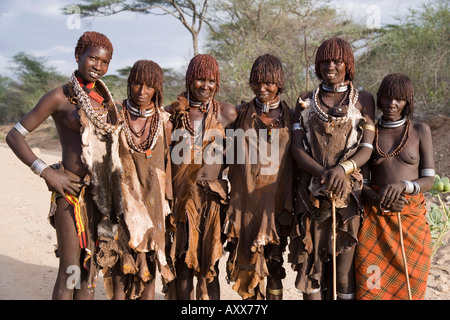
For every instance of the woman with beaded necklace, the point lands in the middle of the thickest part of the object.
(88, 123)
(402, 168)
(332, 137)
(199, 189)
(131, 258)
(260, 211)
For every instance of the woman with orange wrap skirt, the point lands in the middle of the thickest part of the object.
(402, 167)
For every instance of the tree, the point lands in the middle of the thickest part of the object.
(289, 29)
(34, 79)
(418, 47)
(190, 13)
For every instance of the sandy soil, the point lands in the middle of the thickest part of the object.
(28, 266)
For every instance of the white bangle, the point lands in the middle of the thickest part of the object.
(367, 145)
(416, 188)
(427, 172)
(409, 187)
(19, 127)
(38, 166)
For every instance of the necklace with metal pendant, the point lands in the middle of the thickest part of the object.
(142, 113)
(341, 88)
(267, 106)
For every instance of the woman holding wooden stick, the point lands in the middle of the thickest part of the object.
(392, 259)
(332, 137)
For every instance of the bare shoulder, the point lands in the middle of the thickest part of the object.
(366, 104)
(366, 99)
(225, 106)
(421, 128)
(54, 98)
(228, 111)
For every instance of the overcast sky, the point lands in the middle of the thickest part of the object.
(40, 28)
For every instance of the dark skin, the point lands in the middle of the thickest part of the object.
(333, 74)
(388, 172)
(333, 178)
(93, 63)
(266, 93)
(200, 90)
(141, 97)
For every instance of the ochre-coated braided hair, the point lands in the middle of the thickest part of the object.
(149, 72)
(268, 69)
(398, 86)
(336, 49)
(95, 39)
(203, 66)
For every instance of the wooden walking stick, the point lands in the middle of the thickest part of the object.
(333, 211)
(405, 263)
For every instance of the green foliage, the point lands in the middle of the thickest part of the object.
(33, 80)
(418, 47)
(291, 30)
(174, 84)
(439, 217)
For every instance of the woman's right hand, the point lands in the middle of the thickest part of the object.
(58, 181)
(335, 180)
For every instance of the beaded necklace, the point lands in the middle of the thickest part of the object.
(86, 105)
(352, 99)
(89, 88)
(339, 106)
(267, 106)
(187, 120)
(402, 143)
(201, 105)
(152, 137)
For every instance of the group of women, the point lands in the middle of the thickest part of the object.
(133, 194)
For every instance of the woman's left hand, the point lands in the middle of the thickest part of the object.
(391, 193)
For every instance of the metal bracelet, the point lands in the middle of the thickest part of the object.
(38, 166)
(19, 127)
(347, 165)
(416, 188)
(368, 126)
(427, 172)
(367, 145)
(409, 187)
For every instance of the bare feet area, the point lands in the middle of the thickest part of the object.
(28, 265)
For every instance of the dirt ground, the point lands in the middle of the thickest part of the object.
(28, 266)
